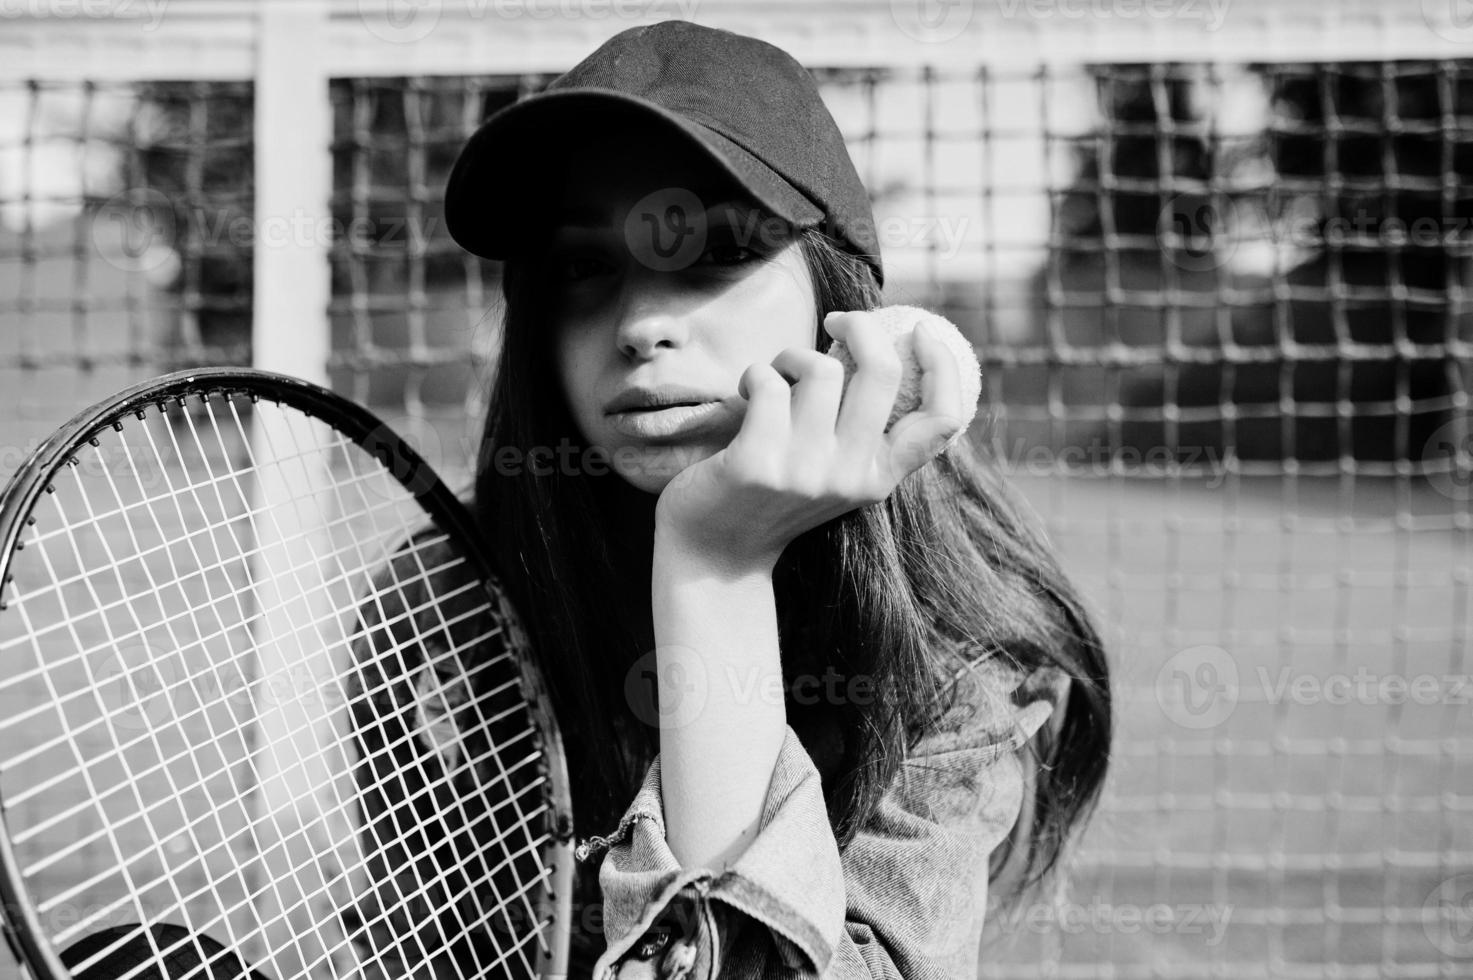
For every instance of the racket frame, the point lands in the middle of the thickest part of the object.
(19, 920)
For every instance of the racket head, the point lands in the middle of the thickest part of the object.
(285, 522)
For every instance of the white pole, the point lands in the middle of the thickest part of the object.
(293, 189)
(295, 736)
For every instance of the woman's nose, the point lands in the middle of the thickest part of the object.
(648, 318)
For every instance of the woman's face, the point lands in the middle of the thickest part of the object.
(664, 279)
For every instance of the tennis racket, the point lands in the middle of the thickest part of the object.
(264, 709)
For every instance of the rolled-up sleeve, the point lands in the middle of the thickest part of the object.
(905, 899)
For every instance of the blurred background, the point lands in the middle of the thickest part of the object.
(1214, 256)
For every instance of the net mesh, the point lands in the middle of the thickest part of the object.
(268, 705)
(1220, 314)
(1220, 309)
(125, 241)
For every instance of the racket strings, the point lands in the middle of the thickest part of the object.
(176, 806)
(144, 812)
(189, 828)
(420, 578)
(474, 760)
(202, 674)
(167, 621)
(297, 507)
(23, 836)
(400, 586)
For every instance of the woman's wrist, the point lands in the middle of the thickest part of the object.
(696, 558)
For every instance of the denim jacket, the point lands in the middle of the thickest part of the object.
(906, 897)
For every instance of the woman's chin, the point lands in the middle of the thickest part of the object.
(652, 470)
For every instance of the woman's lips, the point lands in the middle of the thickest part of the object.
(667, 422)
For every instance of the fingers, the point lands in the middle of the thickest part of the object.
(872, 390)
(800, 399)
(817, 388)
(917, 437)
(941, 382)
(767, 421)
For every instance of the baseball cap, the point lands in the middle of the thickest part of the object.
(747, 104)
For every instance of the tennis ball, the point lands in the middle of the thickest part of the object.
(901, 321)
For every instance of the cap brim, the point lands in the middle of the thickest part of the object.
(497, 186)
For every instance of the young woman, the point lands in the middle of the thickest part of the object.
(818, 680)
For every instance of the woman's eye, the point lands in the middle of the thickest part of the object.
(730, 253)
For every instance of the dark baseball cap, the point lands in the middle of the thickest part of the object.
(748, 105)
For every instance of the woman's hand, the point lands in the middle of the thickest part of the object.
(801, 458)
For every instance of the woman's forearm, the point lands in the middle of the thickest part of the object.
(720, 683)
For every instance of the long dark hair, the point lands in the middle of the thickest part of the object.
(905, 592)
